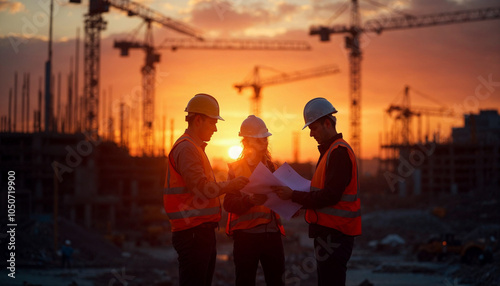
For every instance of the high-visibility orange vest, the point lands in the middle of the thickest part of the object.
(186, 209)
(345, 216)
(256, 215)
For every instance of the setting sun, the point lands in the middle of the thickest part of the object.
(234, 152)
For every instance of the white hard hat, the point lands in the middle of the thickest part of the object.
(254, 127)
(204, 104)
(317, 108)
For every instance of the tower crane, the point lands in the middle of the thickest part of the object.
(404, 114)
(257, 83)
(94, 24)
(152, 57)
(352, 44)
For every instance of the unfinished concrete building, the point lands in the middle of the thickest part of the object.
(470, 162)
(94, 183)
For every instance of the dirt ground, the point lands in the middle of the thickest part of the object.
(97, 262)
(379, 270)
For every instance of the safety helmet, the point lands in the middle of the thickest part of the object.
(204, 104)
(317, 108)
(254, 127)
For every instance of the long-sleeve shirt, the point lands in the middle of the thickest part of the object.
(236, 203)
(337, 177)
(189, 165)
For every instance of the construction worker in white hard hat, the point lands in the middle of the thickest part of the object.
(256, 229)
(191, 194)
(333, 205)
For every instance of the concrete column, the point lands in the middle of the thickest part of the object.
(72, 214)
(134, 186)
(417, 182)
(134, 191)
(88, 216)
(112, 215)
(38, 189)
(402, 188)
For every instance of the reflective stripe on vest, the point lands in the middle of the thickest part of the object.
(344, 216)
(256, 215)
(344, 198)
(175, 191)
(194, 213)
(339, 213)
(250, 216)
(186, 209)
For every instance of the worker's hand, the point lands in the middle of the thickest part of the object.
(237, 184)
(258, 199)
(284, 193)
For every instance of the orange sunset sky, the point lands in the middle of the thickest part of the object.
(445, 62)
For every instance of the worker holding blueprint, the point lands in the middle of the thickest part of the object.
(256, 228)
(333, 206)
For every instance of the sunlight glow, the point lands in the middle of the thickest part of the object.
(234, 152)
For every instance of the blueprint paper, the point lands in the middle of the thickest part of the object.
(286, 209)
(292, 179)
(262, 179)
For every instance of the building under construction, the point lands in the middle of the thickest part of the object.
(92, 183)
(469, 162)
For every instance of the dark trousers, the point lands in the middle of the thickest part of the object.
(196, 255)
(332, 251)
(250, 248)
(66, 261)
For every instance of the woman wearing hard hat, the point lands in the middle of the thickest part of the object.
(256, 229)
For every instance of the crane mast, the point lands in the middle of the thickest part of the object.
(353, 44)
(94, 24)
(402, 22)
(405, 112)
(148, 91)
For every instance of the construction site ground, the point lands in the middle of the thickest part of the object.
(407, 222)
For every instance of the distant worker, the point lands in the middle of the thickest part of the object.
(333, 205)
(191, 194)
(66, 254)
(256, 229)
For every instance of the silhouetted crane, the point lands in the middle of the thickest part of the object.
(352, 43)
(257, 83)
(152, 57)
(94, 24)
(404, 113)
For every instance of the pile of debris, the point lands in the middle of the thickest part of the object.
(406, 227)
(485, 275)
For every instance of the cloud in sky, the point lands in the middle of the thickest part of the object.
(225, 17)
(12, 7)
(323, 11)
(444, 62)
